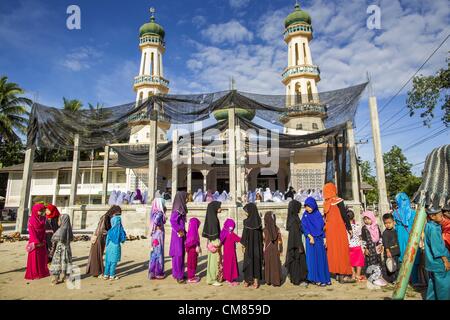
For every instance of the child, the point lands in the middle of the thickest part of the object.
(62, 256)
(229, 239)
(436, 258)
(157, 234)
(316, 256)
(192, 246)
(391, 247)
(372, 244)
(273, 247)
(116, 236)
(446, 226)
(356, 254)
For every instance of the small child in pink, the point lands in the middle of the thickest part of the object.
(229, 239)
(192, 246)
(356, 253)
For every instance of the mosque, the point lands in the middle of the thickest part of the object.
(303, 169)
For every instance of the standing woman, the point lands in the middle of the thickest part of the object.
(252, 240)
(273, 247)
(178, 222)
(62, 258)
(98, 241)
(337, 228)
(51, 225)
(316, 256)
(37, 252)
(295, 254)
(211, 231)
(157, 235)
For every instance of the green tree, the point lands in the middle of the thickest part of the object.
(366, 176)
(428, 92)
(73, 105)
(13, 111)
(11, 153)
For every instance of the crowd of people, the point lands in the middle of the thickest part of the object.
(319, 246)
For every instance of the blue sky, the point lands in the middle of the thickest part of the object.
(209, 41)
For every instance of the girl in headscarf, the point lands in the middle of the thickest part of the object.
(138, 197)
(216, 196)
(199, 196)
(251, 196)
(316, 256)
(337, 228)
(223, 196)
(252, 240)
(273, 247)
(277, 196)
(178, 222)
(112, 198)
(211, 231)
(295, 254)
(404, 219)
(98, 241)
(192, 249)
(157, 234)
(51, 225)
(116, 236)
(268, 195)
(37, 252)
(372, 243)
(62, 258)
(258, 196)
(209, 196)
(229, 239)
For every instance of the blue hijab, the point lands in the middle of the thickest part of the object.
(116, 234)
(404, 211)
(312, 223)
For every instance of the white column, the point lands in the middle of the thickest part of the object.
(205, 179)
(232, 151)
(24, 206)
(239, 177)
(152, 157)
(189, 167)
(174, 162)
(55, 190)
(353, 163)
(381, 182)
(292, 170)
(74, 181)
(105, 175)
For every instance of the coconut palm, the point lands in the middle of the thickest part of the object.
(13, 111)
(72, 104)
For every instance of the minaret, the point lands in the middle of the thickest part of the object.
(305, 113)
(150, 79)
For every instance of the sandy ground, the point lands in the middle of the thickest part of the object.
(134, 284)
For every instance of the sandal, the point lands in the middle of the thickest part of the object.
(256, 285)
(114, 278)
(246, 284)
(346, 280)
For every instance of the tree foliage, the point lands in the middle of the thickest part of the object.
(366, 175)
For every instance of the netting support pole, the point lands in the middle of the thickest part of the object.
(292, 170)
(174, 163)
(105, 175)
(55, 190)
(353, 167)
(24, 204)
(74, 180)
(205, 179)
(152, 151)
(239, 175)
(383, 205)
(232, 159)
(410, 254)
(189, 168)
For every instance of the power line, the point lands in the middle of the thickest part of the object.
(395, 131)
(405, 84)
(418, 143)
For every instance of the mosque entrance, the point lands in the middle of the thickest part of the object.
(267, 181)
(223, 184)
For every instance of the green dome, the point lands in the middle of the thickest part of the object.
(152, 28)
(297, 16)
(222, 114)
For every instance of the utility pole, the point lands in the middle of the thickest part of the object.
(362, 195)
(383, 204)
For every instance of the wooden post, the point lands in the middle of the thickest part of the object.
(105, 176)
(189, 167)
(152, 150)
(383, 205)
(24, 203)
(174, 162)
(74, 181)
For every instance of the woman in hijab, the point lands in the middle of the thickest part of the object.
(273, 247)
(209, 196)
(223, 196)
(98, 241)
(138, 197)
(216, 196)
(229, 239)
(112, 198)
(295, 255)
(338, 227)
(277, 196)
(51, 225)
(211, 231)
(268, 195)
(198, 196)
(157, 235)
(37, 252)
(316, 256)
(251, 197)
(178, 223)
(62, 258)
(404, 219)
(252, 241)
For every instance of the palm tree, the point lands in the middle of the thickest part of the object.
(13, 111)
(72, 105)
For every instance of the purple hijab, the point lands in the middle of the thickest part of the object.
(138, 195)
(179, 203)
(192, 238)
(228, 228)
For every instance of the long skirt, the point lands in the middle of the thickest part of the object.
(178, 267)
(212, 267)
(95, 261)
(192, 262)
(37, 264)
(316, 259)
(62, 260)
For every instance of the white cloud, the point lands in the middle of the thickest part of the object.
(238, 4)
(230, 32)
(199, 20)
(81, 58)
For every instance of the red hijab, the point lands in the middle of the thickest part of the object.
(37, 221)
(330, 196)
(54, 212)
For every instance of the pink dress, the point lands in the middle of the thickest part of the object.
(37, 256)
(230, 266)
(356, 254)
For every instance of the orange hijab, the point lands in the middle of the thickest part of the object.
(330, 196)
